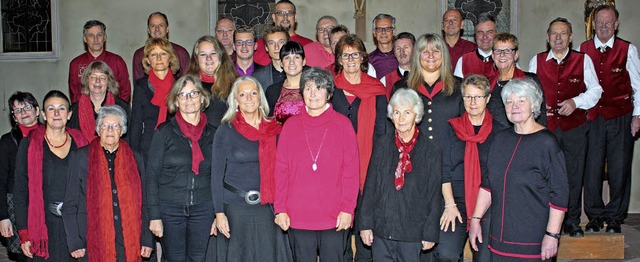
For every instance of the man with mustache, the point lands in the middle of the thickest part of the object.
(570, 87)
(383, 59)
(320, 53)
(613, 122)
(452, 24)
(479, 62)
(94, 35)
(403, 48)
(244, 45)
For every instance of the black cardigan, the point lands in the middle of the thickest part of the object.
(8, 151)
(144, 117)
(340, 103)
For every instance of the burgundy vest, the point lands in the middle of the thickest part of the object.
(611, 68)
(473, 64)
(390, 79)
(561, 82)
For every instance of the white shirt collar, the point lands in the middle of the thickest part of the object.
(551, 56)
(609, 42)
(484, 54)
(402, 71)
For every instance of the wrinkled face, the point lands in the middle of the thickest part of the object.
(158, 27)
(275, 41)
(248, 97)
(451, 23)
(430, 59)
(518, 109)
(293, 64)
(404, 118)
(224, 32)
(485, 32)
(208, 59)
(95, 38)
(25, 114)
(315, 97)
(504, 55)
(384, 31)
(158, 59)
(56, 112)
(605, 24)
(334, 40)
(475, 100)
(244, 45)
(559, 37)
(189, 99)
(110, 131)
(322, 32)
(350, 65)
(98, 82)
(403, 48)
(284, 16)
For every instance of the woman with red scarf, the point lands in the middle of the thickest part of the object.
(217, 72)
(149, 108)
(471, 135)
(103, 212)
(243, 179)
(41, 173)
(178, 174)
(99, 88)
(398, 215)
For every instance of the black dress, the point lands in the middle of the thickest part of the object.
(54, 182)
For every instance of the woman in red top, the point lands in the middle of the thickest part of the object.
(284, 98)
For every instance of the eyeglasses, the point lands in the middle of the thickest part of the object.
(383, 29)
(474, 98)
(325, 30)
(17, 111)
(223, 32)
(113, 126)
(239, 43)
(284, 12)
(193, 95)
(98, 78)
(345, 56)
(507, 51)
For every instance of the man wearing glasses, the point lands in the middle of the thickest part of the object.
(244, 45)
(320, 53)
(480, 61)
(571, 87)
(383, 58)
(225, 28)
(284, 15)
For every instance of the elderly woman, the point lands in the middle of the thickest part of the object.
(150, 93)
(42, 165)
(99, 88)
(24, 111)
(104, 194)
(217, 72)
(317, 192)
(394, 218)
(284, 97)
(505, 57)
(525, 183)
(471, 135)
(243, 179)
(178, 179)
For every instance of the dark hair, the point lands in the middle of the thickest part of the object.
(406, 35)
(287, 2)
(244, 29)
(355, 42)
(560, 20)
(273, 30)
(606, 7)
(166, 20)
(291, 47)
(338, 29)
(56, 94)
(22, 97)
(322, 78)
(92, 23)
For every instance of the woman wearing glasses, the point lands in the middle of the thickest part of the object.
(284, 98)
(178, 179)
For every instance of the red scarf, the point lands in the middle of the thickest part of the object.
(404, 163)
(472, 173)
(366, 90)
(436, 89)
(36, 226)
(162, 89)
(101, 235)
(86, 116)
(193, 133)
(517, 74)
(26, 129)
(266, 137)
(207, 78)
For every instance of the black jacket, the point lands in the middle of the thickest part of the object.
(169, 178)
(144, 117)
(272, 94)
(496, 106)
(340, 103)
(8, 151)
(264, 75)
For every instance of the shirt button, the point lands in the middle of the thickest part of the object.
(115, 217)
(430, 137)
(115, 204)
(430, 128)
(429, 111)
(349, 115)
(429, 120)
(109, 169)
(115, 191)
(429, 103)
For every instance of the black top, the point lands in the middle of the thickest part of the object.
(341, 105)
(144, 117)
(217, 107)
(8, 150)
(411, 214)
(268, 75)
(496, 106)
(169, 178)
(272, 94)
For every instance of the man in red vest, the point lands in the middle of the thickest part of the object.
(571, 87)
(403, 49)
(452, 24)
(613, 122)
(479, 62)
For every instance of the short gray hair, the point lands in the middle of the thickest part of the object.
(408, 97)
(112, 110)
(383, 16)
(233, 106)
(524, 88)
(327, 17)
(322, 78)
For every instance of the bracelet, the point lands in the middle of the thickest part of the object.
(556, 236)
(478, 218)
(450, 205)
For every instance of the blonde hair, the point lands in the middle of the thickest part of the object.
(165, 45)
(446, 75)
(231, 113)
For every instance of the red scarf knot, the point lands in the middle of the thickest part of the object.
(193, 133)
(404, 161)
(162, 88)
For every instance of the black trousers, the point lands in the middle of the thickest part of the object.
(610, 141)
(451, 244)
(362, 252)
(186, 231)
(574, 146)
(384, 250)
(308, 245)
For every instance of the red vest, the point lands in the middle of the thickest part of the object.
(611, 68)
(472, 64)
(390, 79)
(561, 82)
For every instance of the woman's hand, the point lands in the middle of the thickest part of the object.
(223, 224)
(156, 227)
(283, 221)
(367, 237)
(426, 245)
(475, 232)
(78, 253)
(549, 247)
(6, 229)
(448, 217)
(214, 229)
(145, 251)
(343, 222)
(26, 249)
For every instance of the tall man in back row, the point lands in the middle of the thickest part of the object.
(480, 61)
(452, 24)
(383, 58)
(613, 122)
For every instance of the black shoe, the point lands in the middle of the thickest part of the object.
(594, 225)
(573, 230)
(614, 227)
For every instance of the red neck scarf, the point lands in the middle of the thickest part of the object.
(404, 163)
(36, 226)
(162, 88)
(366, 90)
(517, 74)
(101, 236)
(266, 137)
(26, 129)
(85, 115)
(472, 173)
(436, 89)
(193, 133)
(207, 78)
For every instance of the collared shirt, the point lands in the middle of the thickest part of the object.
(484, 56)
(241, 71)
(588, 98)
(460, 48)
(384, 78)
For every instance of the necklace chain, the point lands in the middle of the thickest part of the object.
(315, 159)
(66, 139)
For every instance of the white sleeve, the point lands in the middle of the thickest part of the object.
(633, 67)
(590, 97)
(533, 64)
(384, 81)
(458, 71)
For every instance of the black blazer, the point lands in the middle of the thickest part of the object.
(264, 75)
(272, 94)
(144, 117)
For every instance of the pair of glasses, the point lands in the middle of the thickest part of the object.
(383, 29)
(474, 98)
(222, 31)
(98, 78)
(345, 56)
(17, 111)
(507, 51)
(240, 43)
(112, 126)
(193, 95)
(325, 30)
(285, 13)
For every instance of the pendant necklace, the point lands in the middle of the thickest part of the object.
(315, 159)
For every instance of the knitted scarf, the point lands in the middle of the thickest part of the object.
(207, 78)
(86, 116)
(162, 89)
(404, 161)
(193, 133)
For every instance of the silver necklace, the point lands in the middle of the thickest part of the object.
(315, 159)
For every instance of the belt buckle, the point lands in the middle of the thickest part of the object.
(252, 197)
(56, 208)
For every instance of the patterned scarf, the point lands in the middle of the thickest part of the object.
(404, 161)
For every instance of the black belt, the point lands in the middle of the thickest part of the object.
(252, 197)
